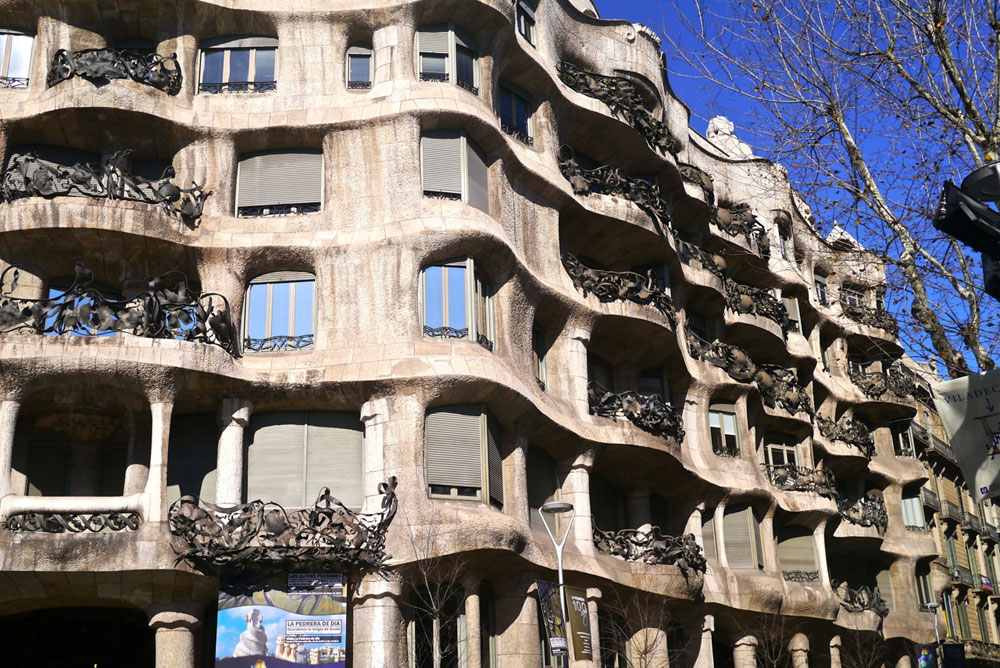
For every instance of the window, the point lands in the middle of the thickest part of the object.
(15, 58)
(453, 167)
(722, 429)
(785, 246)
(359, 67)
(796, 551)
(949, 614)
(792, 307)
(825, 346)
(192, 456)
(708, 541)
(913, 510)
(446, 54)
(437, 622)
(291, 455)
(781, 453)
(526, 20)
(280, 312)
(852, 296)
(741, 534)
(241, 64)
(925, 594)
(538, 349)
(820, 284)
(457, 303)
(600, 373)
(962, 608)
(515, 115)
(970, 552)
(991, 572)
(279, 183)
(652, 382)
(902, 442)
(457, 440)
(607, 504)
(883, 580)
(543, 486)
(984, 629)
(949, 542)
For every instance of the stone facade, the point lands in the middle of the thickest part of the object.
(703, 362)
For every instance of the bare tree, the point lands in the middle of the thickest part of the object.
(863, 650)
(635, 627)
(773, 633)
(870, 105)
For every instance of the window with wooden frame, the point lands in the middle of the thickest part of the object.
(883, 580)
(797, 553)
(902, 441)
(238, 64)
(279, 182)
(792, 307)
(653, 382)
(781, 450)
(525, 18)
(15, 57)
(785, 244)
(445, 53)
(821, 295)
(539, 346)
(456, 302)
(741, 533)
(514, 109)
(453, 167)
(280, 312)
(360, 65)
(852, 295)
(462, 454)
(962, 610)
(723, 430)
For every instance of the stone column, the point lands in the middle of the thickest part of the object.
(575, 372)
(517, 624)
(638, 506)
(137, 471)
(819, 542)
(379, 628)
(234, 416)
(745, 652)
(705, 659)
(159, 440)
(515, 475)
(768, 543)
(904, 662)
(835, 652)
(799, 647)
(593, 601)
(9, 409)
(576, 490)
(720, 535)
(473, 625)
(175, 637)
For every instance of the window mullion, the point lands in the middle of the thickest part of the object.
(484, 473)
(5, 56)
(225, 65)
(445, 306)
(291, 309)
(449, 66)
(305, 458)
(471, 303)
(267, 310)
(251, 66)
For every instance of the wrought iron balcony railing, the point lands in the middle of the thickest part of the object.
(625, 103)
(13, 82)
(850, 431)
(952, 512)
(990, 532)
(862, 599)
(732, 359)
(919, 432)
(453, 333)
(275, 210)
(440, 77)
(275, 344)
(963, 576)
(747, 299)
(700, 178)
(930, 499)
(646, 411)
(609, 286)
(800, 576)
(217, 87)
(102, 65)
(874, 384)
(972, 523)
(518, 134)
(793, 478)
(27, 176)
(359, 85)
(738, 220)
(651, 546)
(873, 317)
(168, 310)
(868, 511)
(942, 449)
(691, 255)
(66, 522)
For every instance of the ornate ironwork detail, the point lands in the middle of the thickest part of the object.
(873, 384)
(690, 253)
(13, 82)
(609, 286)
(164, 311)
(472, 88)
(800, 576)
(700, 178)
(747, 299)
(651, 546)
(861, 599)
(238, 87)
(517, 134)
(625, 103)
(606, 180)
(434, 76)
(646, 411)
(732, 359)
(738, 220)
(274, 344)
(359, 85)
(779, 386)
(868, 511)
(328, 532)
(45, 522)
(273, 210)
(873, 317)
(27, 176)
(102, 65)
(850, 431)
(446, 332)
(793, 478)
(482, 340)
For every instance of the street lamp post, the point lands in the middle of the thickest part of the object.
(933, 608)
(558, 508)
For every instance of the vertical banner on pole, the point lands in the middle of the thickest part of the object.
(926, 656)
(579, 622)
(970, 412)
(551, 610)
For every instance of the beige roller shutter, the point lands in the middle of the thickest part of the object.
(796, 552)
(739, 537)
(192, 456)
(276, 458)
(288, 176)
(240, 42)
(494, 460)
(708, 535)
(333, 456)
(884, 582)
(541, 483)
(479, 178)
(283, 277)
(453, 446)
(433, 39)
(441, 162)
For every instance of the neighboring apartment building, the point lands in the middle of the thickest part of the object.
(471, 246)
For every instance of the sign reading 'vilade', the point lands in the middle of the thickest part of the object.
(970, 412)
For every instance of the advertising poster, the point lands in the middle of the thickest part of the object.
(970, 412)
(926, 656)
(953, 655)
(555, 629)
(579, 622)
(291, 619)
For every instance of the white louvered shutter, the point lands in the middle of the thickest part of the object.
(738, 538)
(441, 162)
(274, 178)
(283, 277)
(240, 42)
(453, 446)
(796, 553)
(708, 536)
(192, 456)
(884, 582)
(276, 458)
(433, 39)
(494, 460)
(479, 178)
(333, 456)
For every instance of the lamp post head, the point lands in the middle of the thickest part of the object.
(932, 606)
(557, 507)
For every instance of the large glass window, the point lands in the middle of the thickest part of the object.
(457, 303)
(359, 67)
(539, 346)
(515, 115)
(453, 167)
(821, 297)
(445, 53)
(781, 452)
(526, 20)
(741, 533)
(240, 64)
(15, 58)
(280, 312)
(722, 428)
(458, 439)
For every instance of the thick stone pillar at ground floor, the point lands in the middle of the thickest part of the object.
(745, 652)
(379, 628)
(799, 647)
(518, 643)
(175, 637)
(705, 657)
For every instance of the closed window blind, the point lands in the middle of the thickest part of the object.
(541, 483)
(453, 442)
(334, 443)
(433, 39)
(741, 539)
(280, 178)
(708, 535)
(441, 162)
(494, 461)
(913, 512)
(796, 551)
(191, 457)
(479, 179)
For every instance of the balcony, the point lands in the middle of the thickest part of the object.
(695, 256)
(699, 178)
(738, 221)
(650, 546)
(982, 651)
(850, 431)
(646, 411)
(862, 599)
(971, 522)
(874, 384)
(919, 432)
(990, 532)
(942, 449)
(930, 499)
(872, 317)
(750, 300)
(167, 310)
(868, 511)
(792, 478)
(102, 65)
(613, 181)
(952, 512)
(962, 576)
(610, 286)
(625, 103)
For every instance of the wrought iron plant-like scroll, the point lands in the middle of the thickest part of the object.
(793, 478)
(454, 333)
(873, 384)
(622, 98)
(647, 411)
(850, 431)
(873, 317)
(738, 220)
(610, 286)
(691, 253)
(800, 576)
(273, 344)
(46, 522)
(102, 65)
(747, 299)
(732, 359)
(328, 532)
(651, 546)
(868, 511)
(28, 176)
(861, 599)
(700, 178)
(168, 309)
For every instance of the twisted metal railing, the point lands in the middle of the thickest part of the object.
(237, 87)
(873, 384)
(868, 511)
(738, 220)
(700, 178)
(651, 546)
(794, 478)
(273, 344)
(646, 411)
(861, 599)
(101, 65)
(873, 317)
(609, 286)
(66, 522)
(690, 253)
(748, 299)
(800, 576)
(850, 431)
